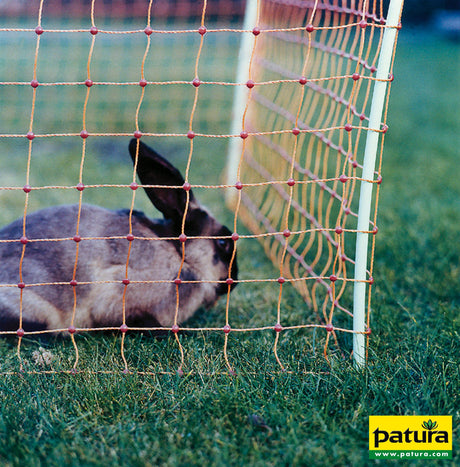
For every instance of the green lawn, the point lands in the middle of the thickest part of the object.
(316, 415)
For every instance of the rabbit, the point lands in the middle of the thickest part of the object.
(50, 307)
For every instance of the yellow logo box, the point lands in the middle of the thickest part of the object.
(410, 432)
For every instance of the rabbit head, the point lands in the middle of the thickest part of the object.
(212, 253)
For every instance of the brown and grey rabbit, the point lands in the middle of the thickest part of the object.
(203, 275)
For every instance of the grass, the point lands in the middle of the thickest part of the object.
(318, 414)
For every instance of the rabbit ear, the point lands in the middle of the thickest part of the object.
(155, 170)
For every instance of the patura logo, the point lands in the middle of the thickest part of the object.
(410, 436)
(428, 435)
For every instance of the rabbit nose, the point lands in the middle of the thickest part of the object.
(234, 270)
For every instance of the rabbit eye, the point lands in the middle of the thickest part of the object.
(224, 244)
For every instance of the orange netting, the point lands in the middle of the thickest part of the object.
(311, 71)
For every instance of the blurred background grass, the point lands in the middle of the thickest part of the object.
(111, 109)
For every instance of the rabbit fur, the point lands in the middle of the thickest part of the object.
(48, 307)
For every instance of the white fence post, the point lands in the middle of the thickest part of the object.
(365, 197)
